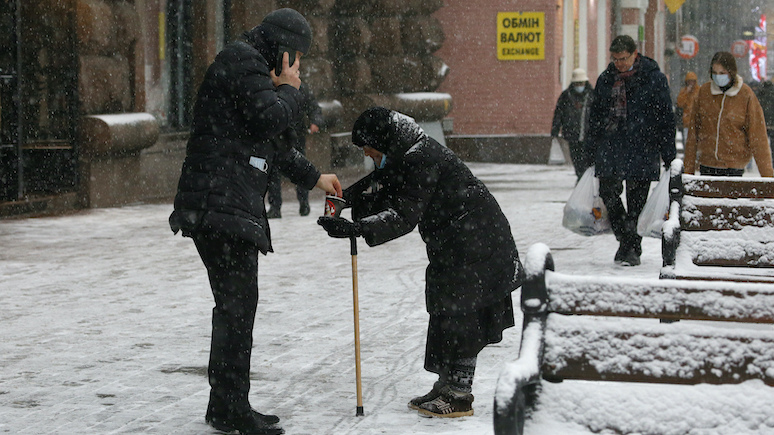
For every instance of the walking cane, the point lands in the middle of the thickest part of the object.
(353, 252)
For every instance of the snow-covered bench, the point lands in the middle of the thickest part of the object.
(719, 228)
(608, 328)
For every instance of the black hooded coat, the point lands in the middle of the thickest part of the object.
(473, 258)
(236, 138)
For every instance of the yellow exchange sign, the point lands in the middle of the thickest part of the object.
(521, 35)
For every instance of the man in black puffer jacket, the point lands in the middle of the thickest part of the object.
(242, 111)
(474, 264)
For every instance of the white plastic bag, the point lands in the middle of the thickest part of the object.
(584, 212)
(656, 210)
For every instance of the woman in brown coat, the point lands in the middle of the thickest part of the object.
(728, 127)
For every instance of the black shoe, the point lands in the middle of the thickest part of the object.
(269, 419)
(448, 404)
(273, 213)
(434, 393)
(630, 258)
(619, 254)
(304, 209)
(244, 425)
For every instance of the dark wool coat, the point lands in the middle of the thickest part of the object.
(568, 113)
(473, 257)
(632, 152)
(235, 140)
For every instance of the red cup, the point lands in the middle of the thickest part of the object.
(333, 205)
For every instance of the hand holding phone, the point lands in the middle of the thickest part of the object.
(280, 57)
(286, 74)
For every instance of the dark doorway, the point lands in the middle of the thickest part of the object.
(10, 145)
(180, 49)
(38, 83)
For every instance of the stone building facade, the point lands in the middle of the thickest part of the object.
(106, 86)
(96, 95)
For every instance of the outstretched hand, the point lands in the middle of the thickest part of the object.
(330, 184)
(339, 228)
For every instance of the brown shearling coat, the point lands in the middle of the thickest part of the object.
(728, 129)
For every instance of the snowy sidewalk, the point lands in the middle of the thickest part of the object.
(106, 324)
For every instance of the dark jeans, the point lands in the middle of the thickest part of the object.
(232, 266)
(274, 189)
(624, 220)
(720, 172)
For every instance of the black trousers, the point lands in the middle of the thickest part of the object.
(274, 189)
(624, 220)
(720, 172)
(232, 266)
(580, 162)
(770, 133)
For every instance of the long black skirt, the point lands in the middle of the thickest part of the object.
(450, 338)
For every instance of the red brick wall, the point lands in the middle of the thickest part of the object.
(491, 96)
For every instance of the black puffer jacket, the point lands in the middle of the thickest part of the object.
(473, 257)
(235, 139)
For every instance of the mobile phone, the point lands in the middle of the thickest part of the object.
(291, 58)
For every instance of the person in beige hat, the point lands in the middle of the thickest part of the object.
(571, 118)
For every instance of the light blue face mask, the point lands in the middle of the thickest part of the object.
(721, 79)
(580, 89)
(384, 160)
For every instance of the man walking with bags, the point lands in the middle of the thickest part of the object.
(631, 126)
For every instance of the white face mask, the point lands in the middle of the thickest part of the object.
(721, 80)
(580, 89)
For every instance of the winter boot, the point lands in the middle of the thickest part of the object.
(416, 402)
(249, 424)
(273, 213)
(304, 210)
(266, 418)
(449, 404)
(633, 243)
(630, 258)
(620, 253)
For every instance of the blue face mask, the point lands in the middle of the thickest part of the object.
(721, 79)
(580, 89)
(382, 163)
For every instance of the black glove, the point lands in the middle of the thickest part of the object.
(339, 228)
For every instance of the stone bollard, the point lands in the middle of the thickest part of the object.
(110, 148)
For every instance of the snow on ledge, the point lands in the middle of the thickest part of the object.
(125, 118)
(423, 96)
